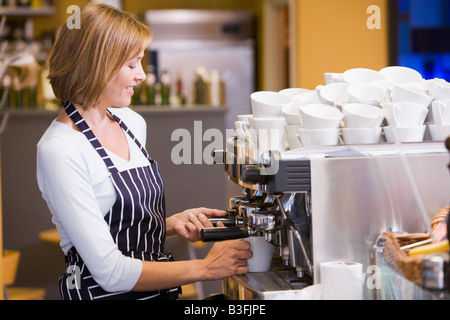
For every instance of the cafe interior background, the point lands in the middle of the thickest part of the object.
(289, 43)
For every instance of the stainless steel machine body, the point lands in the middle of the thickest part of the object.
(320, 204)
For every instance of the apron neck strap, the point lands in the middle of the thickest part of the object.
(84, 128)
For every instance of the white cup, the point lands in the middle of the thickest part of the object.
(405, 134)
(291, 135)
(334, 93)
(318, 137)
(440, 93)
(290, 92)
(398, 74)
(404, 114)
(440, 82)
(366, 94)
(320, 116)
(359, 115)
(307, 97)
(268, 104)
(292, 113)
(362, 75)
(441, 111)
(361, 135)
(439, 132)
(407, 93)
(271, 133)
(332, 77)
(262, 254)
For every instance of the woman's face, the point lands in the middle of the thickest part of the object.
(119, 91)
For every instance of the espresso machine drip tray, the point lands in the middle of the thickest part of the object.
(263, 285)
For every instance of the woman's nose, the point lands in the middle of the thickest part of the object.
(140, 74)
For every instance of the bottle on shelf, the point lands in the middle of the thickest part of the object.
(165, 88)
(215, 89)
(150, 87)
(180, 98)
(16, 98)
(200, 89)
(5, 87)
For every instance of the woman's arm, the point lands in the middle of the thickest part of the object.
(69, 190)
(224, 259)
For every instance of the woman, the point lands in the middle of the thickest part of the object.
(105, 193)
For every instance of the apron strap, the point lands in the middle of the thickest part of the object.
(84, 128)
(132, 136)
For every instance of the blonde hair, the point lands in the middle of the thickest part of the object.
(83, 61)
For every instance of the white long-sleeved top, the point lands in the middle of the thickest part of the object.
(77, 187)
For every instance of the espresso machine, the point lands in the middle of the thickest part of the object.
(324, 203)
(275, 206)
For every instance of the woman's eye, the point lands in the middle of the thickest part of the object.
(132, 67)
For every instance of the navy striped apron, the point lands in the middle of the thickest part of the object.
(136, 221)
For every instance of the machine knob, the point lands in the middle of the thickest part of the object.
(252, 174)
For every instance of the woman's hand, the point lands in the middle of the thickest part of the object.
(189, 223)
(227, 258)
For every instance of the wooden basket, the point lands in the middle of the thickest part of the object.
(409, 266)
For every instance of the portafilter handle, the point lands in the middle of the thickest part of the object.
(224, 233)
(227, 221)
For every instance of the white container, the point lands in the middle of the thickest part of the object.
(361, 135)
(291, 113)
(333, 94)
(262, 254)
(439, 132)
(359, 115)
(318, 137)
(271, 133)
(268, 103)
(441, 111)
(320, 116)
(291, 92)
(398, 74)
(439, 93)
(405, 114)
(362, 75)
(406, 93)
(367, 94)
(405, 134)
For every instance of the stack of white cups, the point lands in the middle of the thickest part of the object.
(321, 125)
(408, 109)
(362, 123)
(440, 111)
(268, 123)
(358, 103)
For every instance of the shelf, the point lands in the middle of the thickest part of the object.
(25, 12)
